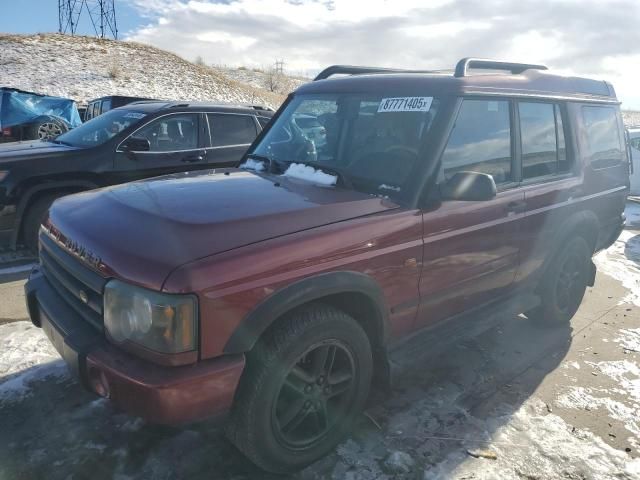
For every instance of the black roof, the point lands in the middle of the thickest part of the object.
(155, 105)
(497, 78)
(120, 97)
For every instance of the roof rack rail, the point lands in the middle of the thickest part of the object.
(466, 64)
(355, 70)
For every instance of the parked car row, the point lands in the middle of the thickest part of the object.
(373, 209)
(139, 140)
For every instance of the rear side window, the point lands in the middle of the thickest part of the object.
(543, 145)
(604, 148)
(227, 129)
(480, 140)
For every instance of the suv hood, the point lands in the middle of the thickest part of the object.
(16, 150)
(143, 230)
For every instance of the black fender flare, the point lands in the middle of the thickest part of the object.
(27, 196)
(584, 223)
(255, 323)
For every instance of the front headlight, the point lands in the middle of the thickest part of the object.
(161, 322)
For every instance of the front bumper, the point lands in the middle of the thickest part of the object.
(166, 395)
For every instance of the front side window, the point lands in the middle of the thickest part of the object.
(227, 129)
(373, 140)
(602, 136)
(543, 145)
(171, 133)
(480, 140)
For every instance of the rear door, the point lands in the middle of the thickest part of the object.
(176, 144)
(230, 135)
(471, 247)
(550, 180)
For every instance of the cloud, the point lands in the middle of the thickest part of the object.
(587, 37)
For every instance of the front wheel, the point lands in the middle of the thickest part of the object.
(564, 283)
(305, 382)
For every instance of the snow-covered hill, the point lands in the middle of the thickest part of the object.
(83, 68)
(264, 78)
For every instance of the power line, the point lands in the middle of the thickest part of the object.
(101, 15)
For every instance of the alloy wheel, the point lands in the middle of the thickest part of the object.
(314, 395)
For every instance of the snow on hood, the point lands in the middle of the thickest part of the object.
(306, 172)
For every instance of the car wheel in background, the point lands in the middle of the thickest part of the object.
(305, 382)
(36, 214)
(46, 129)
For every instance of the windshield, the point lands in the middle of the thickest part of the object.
(100, 129)
(373, 141)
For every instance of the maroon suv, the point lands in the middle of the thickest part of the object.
(374, 206)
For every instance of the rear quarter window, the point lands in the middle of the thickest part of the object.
(602, 136)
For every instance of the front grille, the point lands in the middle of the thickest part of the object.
(72, 281)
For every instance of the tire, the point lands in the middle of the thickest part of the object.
(34, 217)
(563, 285)
(286, 413)
(46, 129)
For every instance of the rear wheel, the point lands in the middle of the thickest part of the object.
(304, 384)
(36, 214)
(564, 284)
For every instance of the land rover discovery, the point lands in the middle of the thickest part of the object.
(273, 294)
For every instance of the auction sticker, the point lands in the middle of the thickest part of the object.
(405, 104)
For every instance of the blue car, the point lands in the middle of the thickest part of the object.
(31, 116)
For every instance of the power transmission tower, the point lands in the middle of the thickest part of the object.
(280, 67)
(101, 14)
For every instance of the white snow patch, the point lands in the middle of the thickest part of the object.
(384, 186)
(528, 443)
(306, 172)
(26, 356)
(621, 262)
(582, 398)
(630, 339)
(573, 364)
(251, 164)
(626, 373)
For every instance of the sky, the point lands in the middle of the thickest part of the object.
(596, 38)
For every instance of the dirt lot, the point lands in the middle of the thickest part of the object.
(531, 403)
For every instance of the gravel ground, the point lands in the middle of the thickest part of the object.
(515, 402)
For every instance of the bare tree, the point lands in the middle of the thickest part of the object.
(199, 61)
(274, 81)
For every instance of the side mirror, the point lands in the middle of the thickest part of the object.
(469, 186)
(136, 144)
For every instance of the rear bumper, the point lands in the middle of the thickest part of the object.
(166, 395)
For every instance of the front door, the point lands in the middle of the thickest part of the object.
(175, 144)
(471, 247)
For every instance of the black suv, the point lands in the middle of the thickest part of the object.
(142, 139)
(101, 105)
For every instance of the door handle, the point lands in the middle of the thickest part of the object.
(193, 158)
